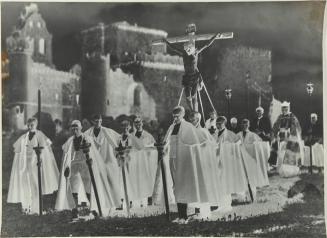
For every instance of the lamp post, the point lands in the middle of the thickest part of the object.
(310, 91)
(247, 80)
(228, 95)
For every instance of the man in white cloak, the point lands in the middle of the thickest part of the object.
(23, 186)
(186, 147)
(149, 156)
(75, 185)
(255, 154)
(105, 140)
(138, 183)
(210, 169)
(232, 174)
(314, 138)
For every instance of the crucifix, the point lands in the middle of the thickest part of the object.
(192, 79)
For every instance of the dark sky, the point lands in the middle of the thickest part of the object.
(292, 30)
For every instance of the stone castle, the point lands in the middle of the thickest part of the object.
(121, 73)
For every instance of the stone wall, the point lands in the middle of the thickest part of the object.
(26, 77)
(232, 65)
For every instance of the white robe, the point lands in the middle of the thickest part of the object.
(106, 143)
(65, 199)
(317, 155)
(149, 156)
(232, 173)
(191, 151)
(23, 186)
(255, 153)
(138, 182)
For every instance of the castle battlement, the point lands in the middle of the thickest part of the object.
(125, 26)
(47, 72)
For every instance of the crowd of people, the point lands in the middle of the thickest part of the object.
(205, 167)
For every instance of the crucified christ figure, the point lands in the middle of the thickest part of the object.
(192, 79)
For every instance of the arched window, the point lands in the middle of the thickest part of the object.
(41, 46)
(137, 96)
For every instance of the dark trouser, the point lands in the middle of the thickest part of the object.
(273, 153)
(182, 210)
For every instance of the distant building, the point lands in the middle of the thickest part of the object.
(123, 74)
(29, 50)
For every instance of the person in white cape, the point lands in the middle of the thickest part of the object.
(314, 138)
(139, 185)
(23, 186)
(186, 146)
(75, 187)
(106, 141)
(150, 158)
(210, 169)
(255, 155)
(232, 175)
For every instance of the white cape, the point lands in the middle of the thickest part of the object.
(20, 187)
(65, 199)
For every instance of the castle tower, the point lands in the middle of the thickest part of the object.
(30, 68)
(94, 85)
(32, 26)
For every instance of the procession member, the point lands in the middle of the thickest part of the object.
(23, 185)
(192, 79)
(60, 138)
(211, 122)
(75, 185)
(105, 140)
(210, 170)
(313, 137)
(234, 127)
(261, 125)
(255, 155)
(232, 175)
(186, 146)
(148, 155)
(287, 140)
(137, 180)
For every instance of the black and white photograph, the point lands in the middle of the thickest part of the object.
(163, 119)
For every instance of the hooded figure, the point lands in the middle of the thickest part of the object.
(23, 186)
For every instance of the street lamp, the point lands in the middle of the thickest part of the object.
(310, 91)
(228, 95)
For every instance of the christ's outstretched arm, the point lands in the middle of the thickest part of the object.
(210, 42)
(175, 49)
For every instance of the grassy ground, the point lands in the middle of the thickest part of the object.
(297, 220)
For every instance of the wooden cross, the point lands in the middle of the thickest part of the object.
(190, 30)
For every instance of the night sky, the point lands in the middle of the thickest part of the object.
(291, 30)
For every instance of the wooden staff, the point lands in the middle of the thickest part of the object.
(38, 150)
(160, 147)
(86, 150)
(122, 151)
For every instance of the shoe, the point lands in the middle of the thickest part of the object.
(74, 213)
